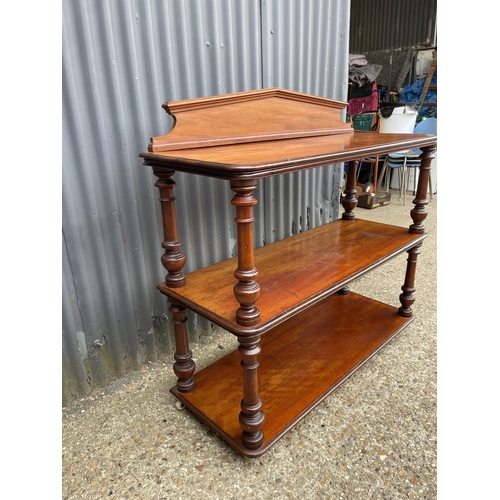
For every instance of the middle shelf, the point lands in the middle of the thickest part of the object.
(295, 272)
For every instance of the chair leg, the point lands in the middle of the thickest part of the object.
(375, 173)
(381, 175)
(405, 173)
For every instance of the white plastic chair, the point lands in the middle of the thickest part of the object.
(403, 161)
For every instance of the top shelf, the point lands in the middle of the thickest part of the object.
(294, 273)
(265, 132)
(263, 159)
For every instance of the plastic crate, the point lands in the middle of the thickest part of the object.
(363, 122)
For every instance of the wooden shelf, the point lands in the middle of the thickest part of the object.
(263, 159)
(302, 361)
(294, 272)
(314, 338)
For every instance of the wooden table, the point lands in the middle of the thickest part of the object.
(301, 332)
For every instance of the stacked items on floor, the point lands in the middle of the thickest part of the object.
(362, 95)
(363, 104)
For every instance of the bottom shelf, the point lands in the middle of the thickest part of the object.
(302, 361)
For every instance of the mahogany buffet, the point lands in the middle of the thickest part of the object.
(301, 332)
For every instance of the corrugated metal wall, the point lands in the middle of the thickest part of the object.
(389, 32)
(122, 59)
(392, 24)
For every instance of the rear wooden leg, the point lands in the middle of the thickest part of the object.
(184, 365)
(251, 416)
(419, 212)
(407, 298)
(350, 200)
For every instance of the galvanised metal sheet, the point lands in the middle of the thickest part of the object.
(305, 48)
(392, 24)
(122, 59)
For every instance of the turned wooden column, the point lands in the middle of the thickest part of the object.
(407, 298)
(184, 365)
(350, 200)
(419, 212)
(247, 290)
(173, 259)
(251, 416)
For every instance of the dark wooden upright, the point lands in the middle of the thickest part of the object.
(301, 332)
(247, 290)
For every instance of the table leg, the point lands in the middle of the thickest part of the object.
(247, 290)
(184, 366)
(251, 416)
(350, 200)
(419, 212)
(407, 298)
(173, 259)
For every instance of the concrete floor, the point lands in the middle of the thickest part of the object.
(373, 438)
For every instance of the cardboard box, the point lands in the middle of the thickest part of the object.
(374, 200)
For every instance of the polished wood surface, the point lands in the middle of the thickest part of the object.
(262, 115)
(299, 366)
(251, 417)
(350, 201)
(260, 159)
(173, 259)
(419, 213)
(247, 290)
(294, 272)
(184, 365)
(265, 132)
(314, 337)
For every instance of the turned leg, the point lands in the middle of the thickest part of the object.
(419, 213)
(344, 290)
(173, 259)
(247, 290)
(251, 416)
(350, 200)
(407, 298)
(184, 365)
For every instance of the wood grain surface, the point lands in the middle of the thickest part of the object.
(302, 361)
(261, 159)
(294, 272)
(259, 115)
(264, 132)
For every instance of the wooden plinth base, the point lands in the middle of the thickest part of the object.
(302, 361)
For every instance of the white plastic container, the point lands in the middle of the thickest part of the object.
(401, 121)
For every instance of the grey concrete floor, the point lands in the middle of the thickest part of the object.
(372, 438)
